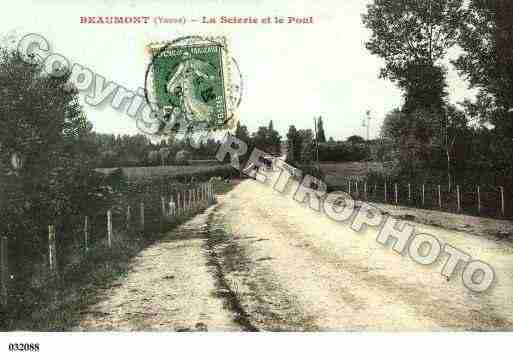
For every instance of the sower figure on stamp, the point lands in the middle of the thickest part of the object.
(183, 84)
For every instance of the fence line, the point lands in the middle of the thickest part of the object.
(478, 200)
(86, 233)
(109, 228)
(458, 198)
(198, 198)
(142, 215)
(471, 199)
(503, 209)
(52, 250)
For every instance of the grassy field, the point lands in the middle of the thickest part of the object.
(338, 173)
(60, 301)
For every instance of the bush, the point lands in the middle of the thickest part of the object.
(343, 152)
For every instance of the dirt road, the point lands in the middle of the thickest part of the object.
(294, 269)
(171, 286)
(261, 261)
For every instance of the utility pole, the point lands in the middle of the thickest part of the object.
(316, 143)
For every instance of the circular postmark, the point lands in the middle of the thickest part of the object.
(192, 84)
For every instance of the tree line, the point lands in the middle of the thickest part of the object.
(428, 135)
(138, 150)
(305, 147)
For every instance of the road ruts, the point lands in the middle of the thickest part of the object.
(172, 286)
(294, 269)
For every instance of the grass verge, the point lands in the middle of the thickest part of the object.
(61, 302)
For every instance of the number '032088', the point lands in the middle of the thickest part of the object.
(23, 347)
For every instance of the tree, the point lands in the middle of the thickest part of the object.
(261, 138)
(455, 124)
(43, 123)
(355, 139)
(393, 124)
(415, 142)
(267, 139)
(164, 153)
(487, 62)
(293, 145)
(306, 146)
(242, 133)
(182, 157)
(412, 37)
(321, 136)
(274, 139)
(422, 123)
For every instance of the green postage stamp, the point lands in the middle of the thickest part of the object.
(191, 82)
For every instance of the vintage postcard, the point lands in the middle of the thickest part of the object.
(177, 177)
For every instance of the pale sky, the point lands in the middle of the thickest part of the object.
(292, 72)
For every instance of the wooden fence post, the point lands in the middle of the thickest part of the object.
(439, 196)
(458, 197)
(478, 200)
(356, 193)
(52, 251)
(128, 219)
(178, 203)
(349, 191)
(385, 191)
(503, 208)
(365, 189)
(142, 215)
(4, 268)
(409, 192)
(375, 190)
(163, 205)
(423, 194)
(396, 193)
(109, 228)
(86, 233)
